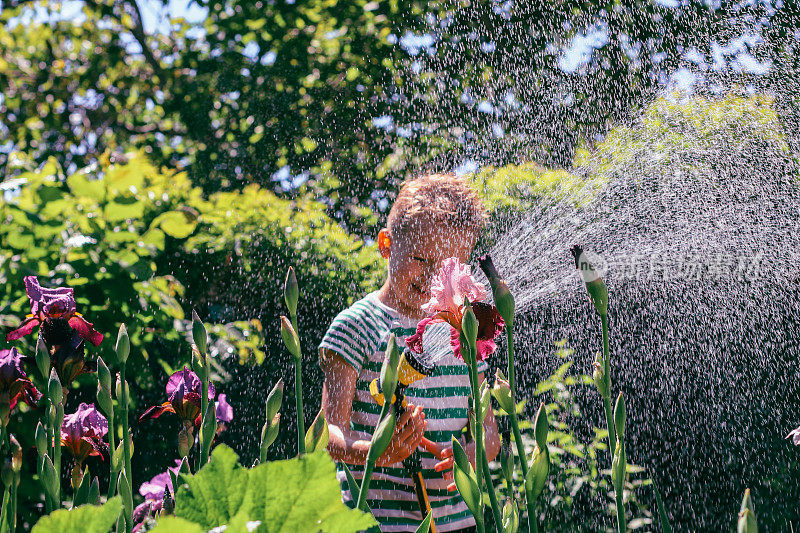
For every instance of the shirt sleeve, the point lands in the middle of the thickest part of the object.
(483, 366)
(347, 337)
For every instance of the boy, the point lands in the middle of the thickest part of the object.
(434, 217)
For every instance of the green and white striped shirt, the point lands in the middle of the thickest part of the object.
(359, 334)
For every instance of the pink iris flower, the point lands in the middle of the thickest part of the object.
(48, 305)
(452, 284)
(83, 431)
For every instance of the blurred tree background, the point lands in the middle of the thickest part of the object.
(164, 156)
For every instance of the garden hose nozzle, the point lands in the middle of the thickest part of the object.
(411, 369)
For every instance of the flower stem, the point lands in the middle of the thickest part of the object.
(510, 342)
(361, 504)
(487, 476)
(530, 505)
(12, 520)
(49, 505)
(112, 446)
(126, 442)
(298, 395)
(511, 384)
(59, 420)
(203, 409)
(621, 523)
(480, 449)
(612, 434)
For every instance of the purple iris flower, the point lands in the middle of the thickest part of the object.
(183, 398)
(153, 492)
(224, 409)
(83, 431)
(55, 311)
(14, 383)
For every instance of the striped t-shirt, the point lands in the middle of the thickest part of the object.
(360, 334)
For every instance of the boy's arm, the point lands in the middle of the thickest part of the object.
(346, 445)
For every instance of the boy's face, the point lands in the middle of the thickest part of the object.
(415, 257)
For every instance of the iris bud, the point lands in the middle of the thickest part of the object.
(124, 490)
(317, 435)
(541, 427)
(268, 435)
(618, 465)
(747, 515)
(469, 326)
(510, 517)
(503, 299)
(94, 492)
(77, 477)
(291, 292)
(502, 392)
(54, 388)
(103, 374)
(199, 335)
(49, 476)
(465, 479)
(538, 469)
(104, 399)
(16, 454)
(597, 290)
(619, 416)
(42, 358)
(486, 400)
(381, 437)
(123, 346)
(41, 440)
(290, 338)
(274, 400)
(118, 389)
(185, 438)
(117, 457)
(599, 375)
(507, 460)
(389, 369)
(209, 428)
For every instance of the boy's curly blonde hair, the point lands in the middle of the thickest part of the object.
(436, 198)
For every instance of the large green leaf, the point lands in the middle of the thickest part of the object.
(216, 493)
(173, 524)
(83, 519)
(293, 495)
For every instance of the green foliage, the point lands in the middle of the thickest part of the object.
(101, 231)
(515, 188)
(255, 88)
(687, 135)
(281, 495)
(82, 519)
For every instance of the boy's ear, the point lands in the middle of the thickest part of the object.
(384, 243)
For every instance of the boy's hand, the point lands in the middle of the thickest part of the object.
(407, 434)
